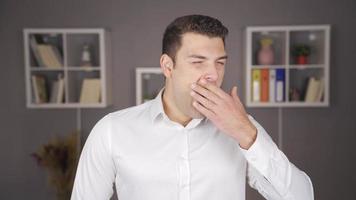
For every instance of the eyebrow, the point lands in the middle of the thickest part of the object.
(203, 57)
(222, 57)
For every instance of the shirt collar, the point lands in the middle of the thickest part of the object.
(157, 111)
(157, 106)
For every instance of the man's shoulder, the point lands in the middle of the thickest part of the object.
(130, 113)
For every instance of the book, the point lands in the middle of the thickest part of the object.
(44, 54)
(90, 92)
(264, 85)
(36, 98)
(280, 85)
(319, 96)
(54, 91)
(60, 94)
(312, 89)
(34, 49)
(39, 88)
(56, 58)
(272, 85)
(58, 55)
(57, 91)
(48, 54)
(256, 85)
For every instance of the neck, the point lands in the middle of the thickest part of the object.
(172, 111)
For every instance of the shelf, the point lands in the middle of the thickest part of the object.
(58, 61)
(67, 105)
(76, 68)
(83, 68)
(288, 81)
(289, 104)
(287, 66)
(149, 82)
(268, 66)
(44, 69)
(305, 66)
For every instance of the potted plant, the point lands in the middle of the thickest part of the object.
(301, 53)
(59, 157)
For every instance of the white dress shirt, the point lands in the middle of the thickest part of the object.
(150, 157)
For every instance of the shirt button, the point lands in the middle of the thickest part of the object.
(184, 158)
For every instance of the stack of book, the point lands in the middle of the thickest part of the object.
(39, 89)
(40, 93)
(90, 92)
(268, 85)
(46, 55)
(315, 89)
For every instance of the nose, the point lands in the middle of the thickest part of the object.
(212, 73)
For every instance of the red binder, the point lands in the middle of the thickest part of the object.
(265, 85)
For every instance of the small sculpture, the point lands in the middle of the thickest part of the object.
(86, 56)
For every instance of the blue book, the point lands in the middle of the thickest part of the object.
(280, 85)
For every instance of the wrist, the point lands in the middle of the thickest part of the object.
(250, 137)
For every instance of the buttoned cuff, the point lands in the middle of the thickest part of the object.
(260, 153)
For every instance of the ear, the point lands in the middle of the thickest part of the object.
(166, 63)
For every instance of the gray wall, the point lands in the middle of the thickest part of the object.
(320, 141)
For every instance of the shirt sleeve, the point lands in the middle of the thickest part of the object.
(270, 172)
(96, 170)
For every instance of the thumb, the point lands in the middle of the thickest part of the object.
(234, 93)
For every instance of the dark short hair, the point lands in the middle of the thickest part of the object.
(205, 25)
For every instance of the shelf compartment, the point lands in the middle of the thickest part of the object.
(299, 80)
(75, 83)
(75, 43)
(315, 39)
(49, 77)
(268, 85)
(278, 46)
(151, 85)
(46, 50)
(149, 82)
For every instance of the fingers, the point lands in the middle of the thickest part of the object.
(213, 88)
(207, 113)
(204, 92)
(210, 105)
(236, 98)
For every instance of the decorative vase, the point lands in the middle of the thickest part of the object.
(265, 55)
(302, 60)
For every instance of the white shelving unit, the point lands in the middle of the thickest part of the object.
(69, 44)
(149, 81)
(296, 76)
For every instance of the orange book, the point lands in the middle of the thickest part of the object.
(264, 85)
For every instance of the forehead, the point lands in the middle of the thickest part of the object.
(194, 43)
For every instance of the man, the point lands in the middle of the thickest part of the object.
(193, 141)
